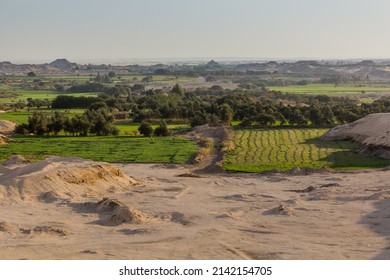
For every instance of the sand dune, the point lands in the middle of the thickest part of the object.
(75, 209)
(59, 178)
(6, 126)
(372, 132)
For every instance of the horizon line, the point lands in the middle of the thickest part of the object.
(148, 60)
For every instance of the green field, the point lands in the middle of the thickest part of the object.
(109, 149)
(266, 149)
(22, 116)
(17, 89)
(23, 95)
(332, 90)
(132, 128)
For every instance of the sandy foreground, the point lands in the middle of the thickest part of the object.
(169, 212)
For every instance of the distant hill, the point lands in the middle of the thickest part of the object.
(367, 63)
(62, 63)
(212, 64)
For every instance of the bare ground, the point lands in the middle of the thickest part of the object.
(169, 212)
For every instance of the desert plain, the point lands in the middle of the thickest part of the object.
(70, 208)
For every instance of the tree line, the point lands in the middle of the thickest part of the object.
(215, 105)
(97, 120)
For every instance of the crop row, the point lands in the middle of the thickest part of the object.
(264, 149)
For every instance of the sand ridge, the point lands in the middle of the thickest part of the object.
(371, 131)
(6, 126)
(57, 177)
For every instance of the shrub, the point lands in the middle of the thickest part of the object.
(162, 130)
(145, 129)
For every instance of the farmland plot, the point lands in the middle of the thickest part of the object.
(266, 149)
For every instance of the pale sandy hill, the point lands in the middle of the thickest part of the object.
(372, 131)
(14, 161)
(6, 126)
(61, 178)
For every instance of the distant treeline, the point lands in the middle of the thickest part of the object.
(215, 105)
(69, 102)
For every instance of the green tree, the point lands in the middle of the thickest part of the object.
(226, 114)
(98, 105)
(37, 123)
(177, 89)
(147, 79)
(80, 125)
(145, 129)
(297, 117)
(56, 123)
(162, 130)
(265, 119)
(22, 129)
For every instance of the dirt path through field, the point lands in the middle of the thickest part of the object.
(212, 163)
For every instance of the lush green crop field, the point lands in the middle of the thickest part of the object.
(331, 89)
(22, 116)
(75, 78)
(132, 128)
(159, 78)
(23, 95)
(267, 149)
(109, 149)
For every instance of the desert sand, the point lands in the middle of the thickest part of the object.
(372, 132)
(70, 208)
(6, 126)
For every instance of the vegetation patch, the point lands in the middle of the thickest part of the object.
(266, 149)
(333, 90)
(104, 148)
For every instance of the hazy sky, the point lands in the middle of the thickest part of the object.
(112, 29)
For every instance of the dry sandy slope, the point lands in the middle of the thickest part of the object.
(371, 131)
(6, 126)
(61, 178)
(176, 215)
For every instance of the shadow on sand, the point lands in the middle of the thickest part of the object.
(379, 222)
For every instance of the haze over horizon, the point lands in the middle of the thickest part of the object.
(119, 30)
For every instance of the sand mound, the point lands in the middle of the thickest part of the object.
(13, 229)
(280, 210)
(118, 213)
(294, 201)
(7, 126)
(189, 175)
(372, 132)
(56, 177)
(5, 140)
(8, 227)
(15, 160)
(49, 197)
(371, 126)
(46, 230)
